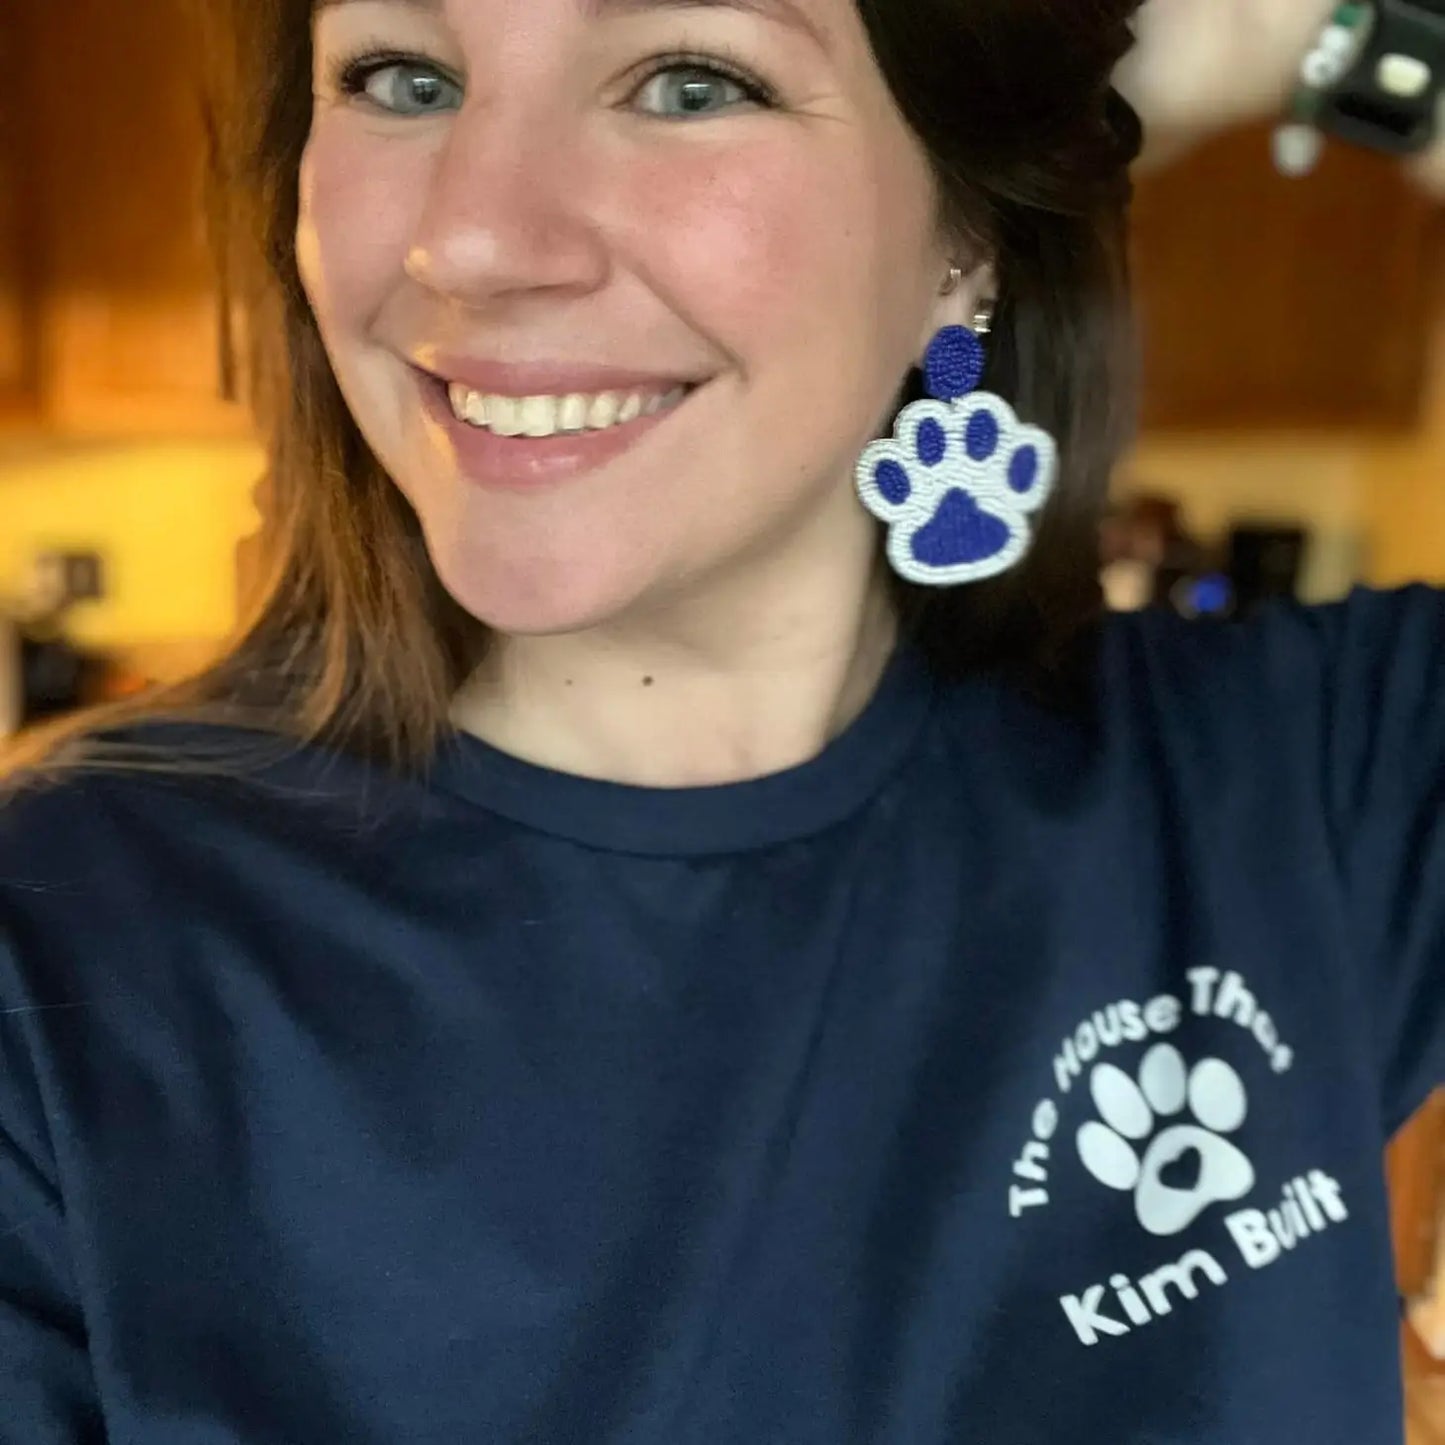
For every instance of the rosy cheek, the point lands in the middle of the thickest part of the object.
(774, 238)
(359, 205)
(732, 225)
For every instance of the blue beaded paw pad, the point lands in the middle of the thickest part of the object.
(958, 480)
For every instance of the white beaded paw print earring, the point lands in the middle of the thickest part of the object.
(961, 475)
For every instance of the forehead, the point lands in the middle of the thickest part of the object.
(796, 13)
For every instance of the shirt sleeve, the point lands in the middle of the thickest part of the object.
(1384, 671)
(47, 1389)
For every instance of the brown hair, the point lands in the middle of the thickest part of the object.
(353, 641)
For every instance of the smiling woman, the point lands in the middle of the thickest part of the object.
(627, 947)
(684, 236)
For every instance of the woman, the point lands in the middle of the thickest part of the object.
(600, 961)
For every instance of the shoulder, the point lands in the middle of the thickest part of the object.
(1290, 654)
(78, 829)
(158, 808)
(1347, 698)
(128, 886)
(1294, 688)
(129, 775)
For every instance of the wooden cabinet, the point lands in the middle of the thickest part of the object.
(1416, 1167)
(18, 319)
(124, 337)
(1276, 303)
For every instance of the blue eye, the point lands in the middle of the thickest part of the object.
(692, 89)
(403, 87)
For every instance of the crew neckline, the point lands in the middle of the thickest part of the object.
(721, 818)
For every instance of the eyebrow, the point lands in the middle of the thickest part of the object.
(785, 12)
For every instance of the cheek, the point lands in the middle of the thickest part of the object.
(359, 203)
(786, 249)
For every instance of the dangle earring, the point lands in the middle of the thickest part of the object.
(961, 475)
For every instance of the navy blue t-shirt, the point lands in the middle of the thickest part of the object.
(1002, 1075)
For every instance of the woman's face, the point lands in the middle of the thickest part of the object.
(553, 199)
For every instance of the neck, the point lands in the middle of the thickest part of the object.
(704, 694)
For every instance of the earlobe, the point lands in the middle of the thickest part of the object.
(964, 296)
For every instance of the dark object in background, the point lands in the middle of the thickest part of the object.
(82, 575)
(1264, 563)
(58, 580)
(56, 677)
(1145, 541)
(46, 674)
(1151, 559)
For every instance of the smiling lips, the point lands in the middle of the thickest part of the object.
(520, 427)
(548, 415)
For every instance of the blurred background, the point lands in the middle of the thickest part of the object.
(1294, 424)
(1293, 439)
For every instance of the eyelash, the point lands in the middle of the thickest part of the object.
(715, 63)
(350, 76)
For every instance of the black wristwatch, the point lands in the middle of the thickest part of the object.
(1390, 98)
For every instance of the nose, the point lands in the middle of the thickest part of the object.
(507, 211)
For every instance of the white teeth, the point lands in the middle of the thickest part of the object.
(545, 416)
(603, 412)
(572, 414)
(504, 415)
(539, 416)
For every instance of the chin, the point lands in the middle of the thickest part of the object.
(537, 597)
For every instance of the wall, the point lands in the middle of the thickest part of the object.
(1403, 492)
(1376, 506)
(166, 518)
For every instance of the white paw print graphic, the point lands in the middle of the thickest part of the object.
(1185, 1167)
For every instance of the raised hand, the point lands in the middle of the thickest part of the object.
(1203, 65)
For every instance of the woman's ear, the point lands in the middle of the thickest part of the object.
(963, 291)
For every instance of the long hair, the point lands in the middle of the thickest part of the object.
(352, 641)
